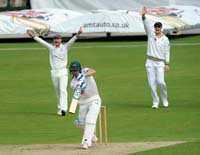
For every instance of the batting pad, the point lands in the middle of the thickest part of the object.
(79, 124)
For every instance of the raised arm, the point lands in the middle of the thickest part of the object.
(79, 32)
(147, 26)
(38, 39)
(73, 39)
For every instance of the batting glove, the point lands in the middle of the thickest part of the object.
(80, 77)
(82, 84)
(77, 92)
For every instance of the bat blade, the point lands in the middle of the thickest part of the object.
(73, 106)
(75, 100)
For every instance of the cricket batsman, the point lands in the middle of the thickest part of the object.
(58, 54)
(158, 58)
(89, 102)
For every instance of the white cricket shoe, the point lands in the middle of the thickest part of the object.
(59, 113)
(84, 146)
(155, 106)
(165, 104)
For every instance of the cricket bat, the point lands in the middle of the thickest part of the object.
(73, 106)
(75, 99)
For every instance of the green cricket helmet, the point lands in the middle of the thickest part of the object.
(74, 66)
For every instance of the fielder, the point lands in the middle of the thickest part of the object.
(158, 58)
(58, 61)
(89, 102)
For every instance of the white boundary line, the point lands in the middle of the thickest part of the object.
(103, 46)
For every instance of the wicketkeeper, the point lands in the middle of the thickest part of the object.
(58, 54)
(89, 102)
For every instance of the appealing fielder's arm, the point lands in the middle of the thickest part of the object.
(44, 43)
(147, 25)
(73, 39)
(36, 38)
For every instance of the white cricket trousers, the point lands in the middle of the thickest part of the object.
(155, 74)
(88, 114)
(60, 79)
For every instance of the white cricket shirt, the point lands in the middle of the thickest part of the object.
(57, 55)
(157, 47)
(91, 89)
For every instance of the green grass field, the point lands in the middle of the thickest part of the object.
(28, 102)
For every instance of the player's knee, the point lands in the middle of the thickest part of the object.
(91, 120)
(63, 92)
(79, 124)
(161, 83)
